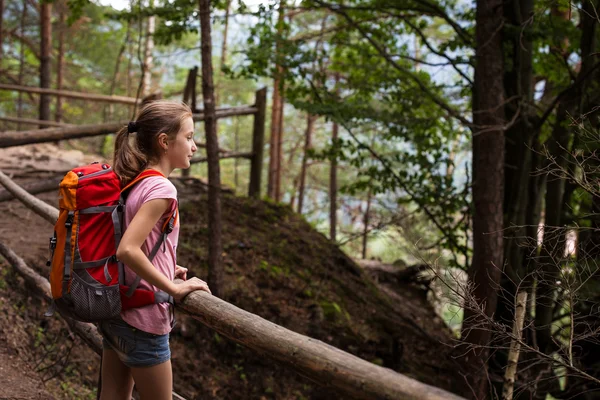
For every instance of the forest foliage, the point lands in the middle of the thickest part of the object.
(399, 80)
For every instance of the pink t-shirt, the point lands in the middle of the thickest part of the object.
(154, 318)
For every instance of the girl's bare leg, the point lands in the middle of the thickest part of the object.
(117, 382)
(154, 383)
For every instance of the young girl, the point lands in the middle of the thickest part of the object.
(136, 348)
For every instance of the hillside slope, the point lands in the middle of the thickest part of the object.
(278, 267)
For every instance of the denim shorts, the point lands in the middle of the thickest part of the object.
(135, 348)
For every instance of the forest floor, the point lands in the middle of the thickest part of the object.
(277, 266)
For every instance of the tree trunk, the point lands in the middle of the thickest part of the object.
(115, 78)
(279, 157)
(21, 65)
(310, 124)
(333, 189)
(225, 29)
(554, 234)
(333, 173)
(574, 103)
(215, 261)
(488, 189)
(515, 346)
(62, 27)
(366, 219)
(276, 116)
(45, 59)
(236, 148)
(1, 28)
(148, 49)
(129, 74)
(518, 86)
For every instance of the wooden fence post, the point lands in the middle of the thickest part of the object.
(194, 77)
(258, 138)
(187, 93)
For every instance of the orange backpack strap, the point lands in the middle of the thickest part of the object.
(143, 175)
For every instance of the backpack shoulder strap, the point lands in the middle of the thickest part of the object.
(143, 175)
(169, 223)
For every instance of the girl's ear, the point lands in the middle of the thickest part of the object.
(163, 141)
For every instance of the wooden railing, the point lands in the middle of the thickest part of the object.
(322, 363)
(258, 109)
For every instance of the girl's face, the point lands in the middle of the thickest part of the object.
(182, 148)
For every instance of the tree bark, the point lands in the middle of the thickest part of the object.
(310, 124)
(21, 65)
(520, 137)
(115, 78)
(574, 103)
(258, 138)
(333, 189)
(488, 189)
(45, 59)
(215, 259)
(1, 29)
(515, 347)
(62, 27)
(365, 235)
(225, 29)
(148, 49)
(276, 117)
(333, 174)
(236, 148)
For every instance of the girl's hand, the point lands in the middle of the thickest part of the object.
(191, 285)
(180, 272)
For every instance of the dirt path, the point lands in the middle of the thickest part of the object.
(27, 234)
(17, 381)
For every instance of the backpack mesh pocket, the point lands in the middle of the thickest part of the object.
(94, 302)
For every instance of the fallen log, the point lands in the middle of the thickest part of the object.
(227, 112)
(30, 121)
(320, 362)
(34, 188)
(72, 95)
(41, 208)
(324, 364)
(18, 138)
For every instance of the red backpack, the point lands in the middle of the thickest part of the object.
(87, 280)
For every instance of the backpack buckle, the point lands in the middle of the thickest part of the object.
(170, 226)
(69, 221)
